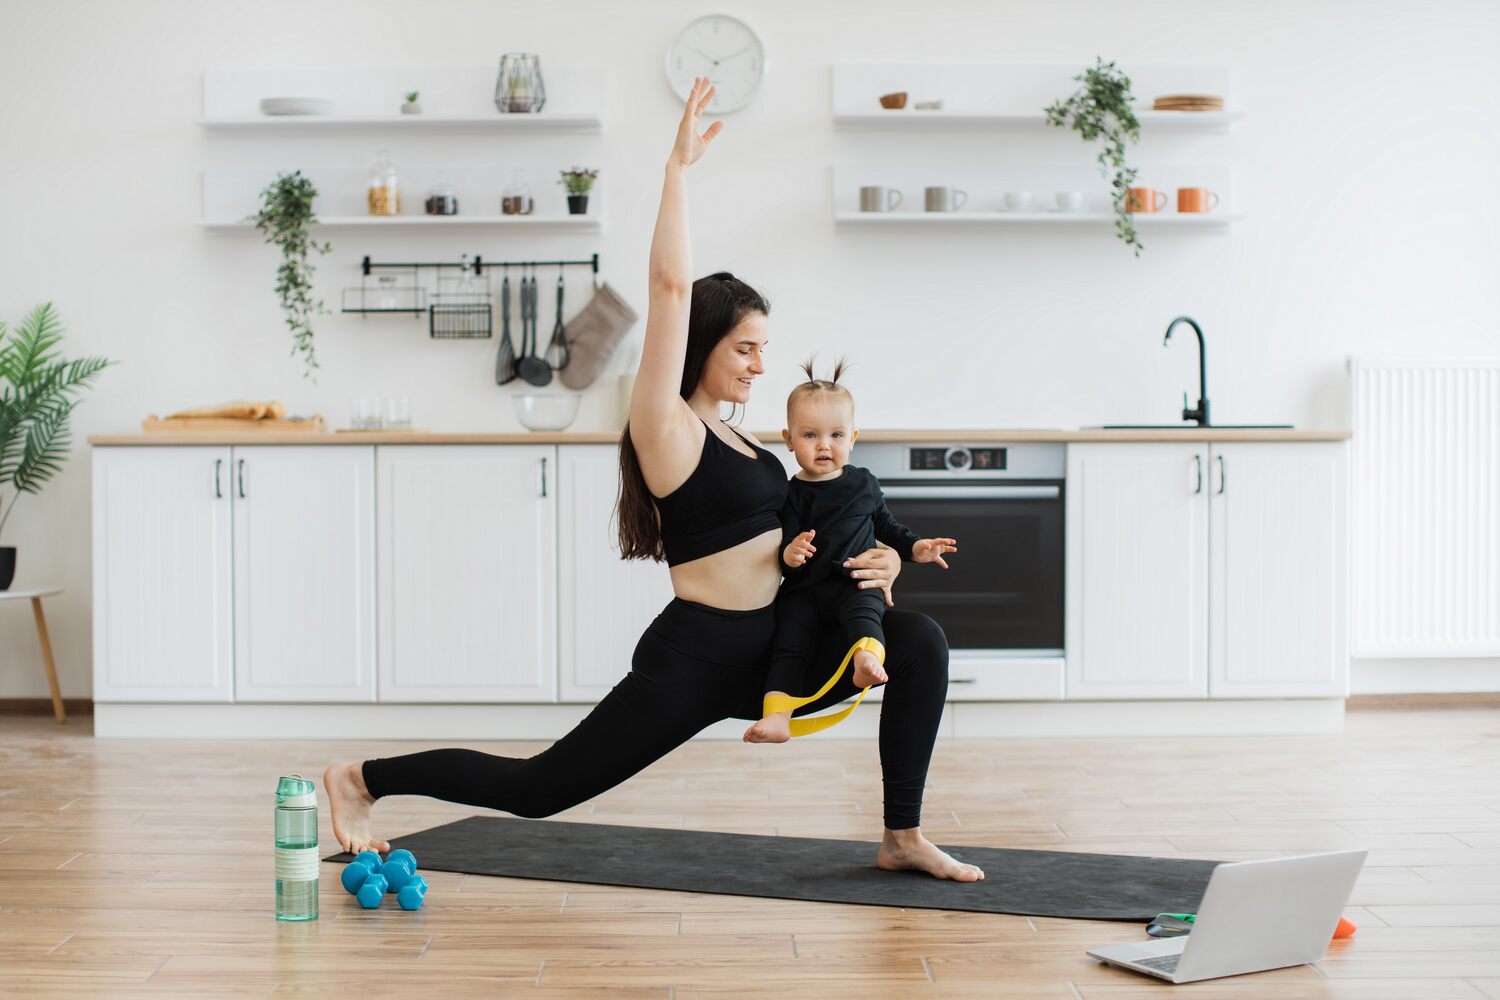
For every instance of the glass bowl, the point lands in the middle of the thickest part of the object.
(547, 411)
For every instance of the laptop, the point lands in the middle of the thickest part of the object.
(1255, 915)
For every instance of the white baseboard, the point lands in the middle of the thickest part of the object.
(1456, 675)
(961, 720)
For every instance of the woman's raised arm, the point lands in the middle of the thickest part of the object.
(656, 405)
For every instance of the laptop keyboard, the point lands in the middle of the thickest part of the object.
(1164, 963)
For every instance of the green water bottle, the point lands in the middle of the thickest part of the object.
(296, 849)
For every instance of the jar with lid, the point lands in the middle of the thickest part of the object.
(385, 186)
(442, 197)
(516, 198)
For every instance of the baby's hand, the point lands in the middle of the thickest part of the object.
(800, 550)
(930, 550)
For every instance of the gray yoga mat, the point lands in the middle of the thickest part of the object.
(1031, 883)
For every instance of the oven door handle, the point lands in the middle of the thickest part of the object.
(971, 492)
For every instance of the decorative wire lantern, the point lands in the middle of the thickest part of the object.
(519, 87)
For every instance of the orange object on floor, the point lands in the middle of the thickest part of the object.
(1346, 928)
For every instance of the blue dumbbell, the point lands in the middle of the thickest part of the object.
(371, 893)
(397, 872)
(411, 895)
(356, 871)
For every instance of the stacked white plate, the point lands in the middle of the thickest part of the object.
(296, 106)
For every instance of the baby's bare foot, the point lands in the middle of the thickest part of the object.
(922, 854)
(349, 805)
(867, 669)
(775, 728)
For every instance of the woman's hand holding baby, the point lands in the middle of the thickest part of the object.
(800, 550)
(930, 550)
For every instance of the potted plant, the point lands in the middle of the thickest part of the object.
(285, 218)
(35, 388)
(411, 107)
(578, 183)
(1101, 110)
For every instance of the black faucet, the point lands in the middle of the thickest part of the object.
(1201, 413)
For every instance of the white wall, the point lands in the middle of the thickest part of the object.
(1366, 166)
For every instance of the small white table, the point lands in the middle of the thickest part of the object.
(36, 594)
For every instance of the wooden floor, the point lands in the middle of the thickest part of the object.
(143, 868)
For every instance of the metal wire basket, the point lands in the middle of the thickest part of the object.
(462, 309)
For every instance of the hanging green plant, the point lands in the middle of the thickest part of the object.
(1101, 110)
(285, 217)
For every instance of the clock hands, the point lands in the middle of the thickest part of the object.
(702, 53)
(711, 59)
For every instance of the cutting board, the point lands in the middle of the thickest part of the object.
(219, 425)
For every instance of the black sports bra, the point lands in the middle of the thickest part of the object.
(729, 498)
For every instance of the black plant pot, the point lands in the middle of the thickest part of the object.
(7, 566)
(578, 204)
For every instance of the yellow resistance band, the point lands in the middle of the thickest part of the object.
(804, 727)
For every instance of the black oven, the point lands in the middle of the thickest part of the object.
(1003, 590)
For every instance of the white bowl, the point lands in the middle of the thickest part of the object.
(547, 411)
(296, 106)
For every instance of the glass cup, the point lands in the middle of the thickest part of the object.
(367, 414)
(398, 413)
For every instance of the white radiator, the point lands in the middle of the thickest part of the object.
(1425, 499)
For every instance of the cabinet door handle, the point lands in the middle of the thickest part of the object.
(1198, 468)
(241, 475)
(218, 490)
(544, 477)
(1222, 479)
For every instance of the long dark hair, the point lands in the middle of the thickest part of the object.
(719, 302)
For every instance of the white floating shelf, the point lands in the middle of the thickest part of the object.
(540, 122)
(907, 119)
(561, 223)
(1162, 220)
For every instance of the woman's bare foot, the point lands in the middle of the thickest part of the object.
(909, 849)
(349, 803)
(867, 669)
(774, 728)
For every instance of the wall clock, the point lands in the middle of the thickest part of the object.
(724, 49)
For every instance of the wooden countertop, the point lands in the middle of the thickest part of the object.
(969, 436)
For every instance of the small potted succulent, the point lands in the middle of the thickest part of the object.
(578, 182)
(411, 107)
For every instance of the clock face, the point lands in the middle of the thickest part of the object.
(725, 50)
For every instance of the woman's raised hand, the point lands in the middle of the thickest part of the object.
(690, 145)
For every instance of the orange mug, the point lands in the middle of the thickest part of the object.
(1196, 200)
(1144, 200)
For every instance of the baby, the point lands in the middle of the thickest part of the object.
(840, 507)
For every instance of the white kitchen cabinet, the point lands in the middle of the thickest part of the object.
(1206, 570)
(605, 603)
(304, 573)
(1276, 559)
(467, 543)
(161, 560)
(1136, 551)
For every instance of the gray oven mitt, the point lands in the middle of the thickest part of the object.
(593, 335)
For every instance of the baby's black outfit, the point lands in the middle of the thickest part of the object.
(847, 514)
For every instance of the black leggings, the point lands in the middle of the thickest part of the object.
(694, 666)
(804, 615)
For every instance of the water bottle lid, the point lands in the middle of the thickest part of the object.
(295, 790)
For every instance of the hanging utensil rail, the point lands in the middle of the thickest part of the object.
(479, 264)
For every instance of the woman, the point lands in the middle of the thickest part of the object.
(706, 499)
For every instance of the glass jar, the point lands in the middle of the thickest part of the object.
(442, 197)
(385, 186)
(516, 198)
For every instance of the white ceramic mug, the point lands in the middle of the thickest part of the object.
(1018, 200)
(944, 199)
(1068, 201)
(877, 198)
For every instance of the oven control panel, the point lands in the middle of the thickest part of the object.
(949, 460)
(933, 459)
